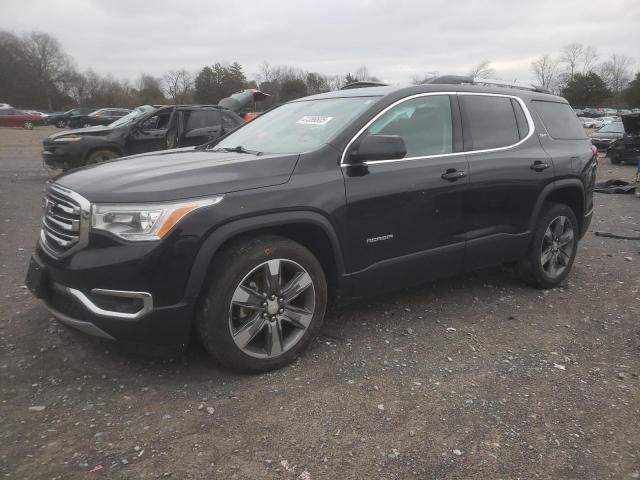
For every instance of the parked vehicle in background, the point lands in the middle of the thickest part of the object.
(321, 200)
(11, 117)
(605, 136)
(587, 122)
(609, 112)
(145, 129)
(61, 120)
(627, 148)
(104, 116)
(579, 111)
(623, 111)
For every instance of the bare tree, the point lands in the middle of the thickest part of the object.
(50, 64)
(571, 56)
(615, 72)
(178, 85)
(545, 69)
(589, 57)
(482, 70)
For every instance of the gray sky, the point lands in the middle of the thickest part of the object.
(395, 39)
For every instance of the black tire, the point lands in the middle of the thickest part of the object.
(61, 123)
(28, 125)
(614, 157)
(531, 269)
(100, 156)
(230, 268)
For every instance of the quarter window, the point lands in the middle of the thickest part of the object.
(424, 123)
(489, 121)
(560, 120)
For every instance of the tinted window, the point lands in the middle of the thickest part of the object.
(560, 120)
(424, 123)
(490, 122)
(6, 112)
(203, 118)
(228, 121)
(157, 122)
(521, 119)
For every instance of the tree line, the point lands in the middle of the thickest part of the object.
(36, 72)
(578, 74)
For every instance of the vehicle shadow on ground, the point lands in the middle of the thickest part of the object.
(193, 364)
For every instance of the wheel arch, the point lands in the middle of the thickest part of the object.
(310, 229)
(112, 148)
(568, 191)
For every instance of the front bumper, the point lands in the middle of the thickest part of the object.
(123, 315)
(58, 159)
(601, 144)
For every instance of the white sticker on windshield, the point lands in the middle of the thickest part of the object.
(314, 120)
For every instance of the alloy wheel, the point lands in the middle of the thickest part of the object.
(272, 308)
(558, 244)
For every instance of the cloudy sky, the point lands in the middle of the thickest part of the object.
(395, 39)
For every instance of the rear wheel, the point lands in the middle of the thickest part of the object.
(100, 156)
(28, 125)
(553, 247)
(265, 302)
(61, 123)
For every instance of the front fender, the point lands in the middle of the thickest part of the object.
(217, 238)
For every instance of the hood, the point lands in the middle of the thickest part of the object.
(606, 135)
(177, 174)
(631, 123)
(83, 132)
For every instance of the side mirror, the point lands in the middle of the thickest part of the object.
(378, 147)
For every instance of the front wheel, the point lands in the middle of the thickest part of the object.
(61, 124)
(28, 125)
(553, 247)
(265, 302)
(100, 156)
(614, 157)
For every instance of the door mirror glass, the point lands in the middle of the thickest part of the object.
(378, 147)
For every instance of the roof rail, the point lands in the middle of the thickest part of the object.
(363, 85)
(457, 79)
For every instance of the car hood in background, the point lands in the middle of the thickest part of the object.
(177, 174)
(82, 132)
(606, 135)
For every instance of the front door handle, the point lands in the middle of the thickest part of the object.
(539, 166)
(452, 174)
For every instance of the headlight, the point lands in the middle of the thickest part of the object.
(70, 138)
(145, 221)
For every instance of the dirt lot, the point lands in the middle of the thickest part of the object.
(472, 377)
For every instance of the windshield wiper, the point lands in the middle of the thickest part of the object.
(238, 149)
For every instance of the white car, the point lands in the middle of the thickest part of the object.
(598, 122)
(587, 122)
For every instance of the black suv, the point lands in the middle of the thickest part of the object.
(61, 119)
(104, 116)
(145, 129)
(324, 199)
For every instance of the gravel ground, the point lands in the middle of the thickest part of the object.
(477, 376)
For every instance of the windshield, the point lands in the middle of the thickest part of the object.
(296, 127)
(133, 115)
(615, 127)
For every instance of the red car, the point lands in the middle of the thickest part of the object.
(10, 117)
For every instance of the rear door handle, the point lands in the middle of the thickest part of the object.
(452, 174)
(539, 166)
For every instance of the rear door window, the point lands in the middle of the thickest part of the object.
(489, 122)
(202, 119)
(560, 120)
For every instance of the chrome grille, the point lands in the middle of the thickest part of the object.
(63, 228)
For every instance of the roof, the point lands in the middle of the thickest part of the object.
(406, 90)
